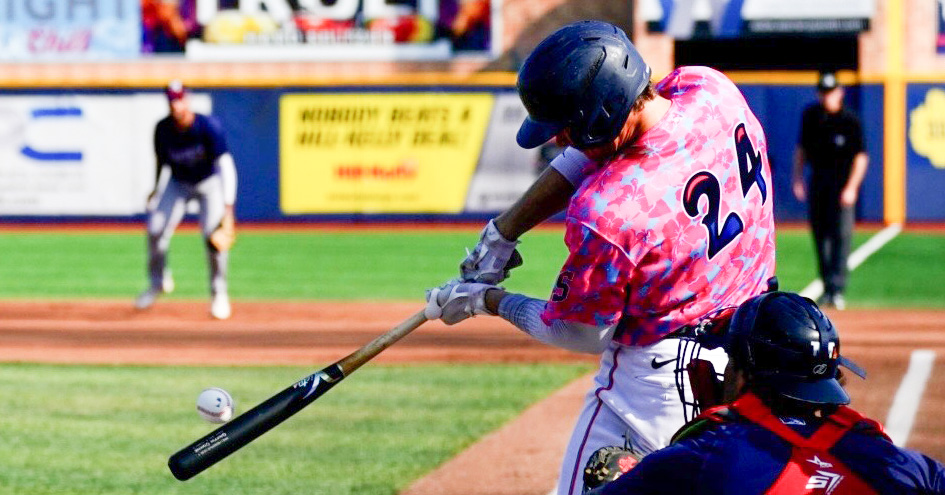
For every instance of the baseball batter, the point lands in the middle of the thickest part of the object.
(193, 164)
(674, 224)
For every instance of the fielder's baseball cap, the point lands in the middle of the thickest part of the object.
(175, 90)
(827, 81)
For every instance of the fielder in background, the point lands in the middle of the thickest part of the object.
(669, 219)
(786, 428)
(193, 163)
(831, 140)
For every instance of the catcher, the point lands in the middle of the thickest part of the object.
(786, 427)
(193, 163)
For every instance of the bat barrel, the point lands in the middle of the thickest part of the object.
(214, 447)
(218, 444)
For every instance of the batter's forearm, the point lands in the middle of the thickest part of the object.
(547, 196)
(525, 313)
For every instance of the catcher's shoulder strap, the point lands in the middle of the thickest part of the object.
(835, 426)
(706, 421)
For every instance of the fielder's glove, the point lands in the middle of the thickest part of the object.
(608, 464)
(455, 301)
(492, 259)
(224, 236)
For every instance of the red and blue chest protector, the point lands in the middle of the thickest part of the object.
(745, 449)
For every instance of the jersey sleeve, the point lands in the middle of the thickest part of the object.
(858, 143)
(160, 150)
(912, 471)
(574, 166)
(216, 140)
(936, 474)
(591, 287)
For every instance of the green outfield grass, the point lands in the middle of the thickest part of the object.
(83, 430)
(394, 265)
(77, 430)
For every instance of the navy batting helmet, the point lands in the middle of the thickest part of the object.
(584, 77)
(790, 347)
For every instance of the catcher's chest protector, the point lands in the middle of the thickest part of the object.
(811, 469)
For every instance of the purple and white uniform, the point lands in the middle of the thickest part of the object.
(193, 164)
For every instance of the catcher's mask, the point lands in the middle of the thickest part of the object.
(704, 380)
(710, 332)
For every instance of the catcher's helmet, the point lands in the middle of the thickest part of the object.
(790, 347)
(585, 77)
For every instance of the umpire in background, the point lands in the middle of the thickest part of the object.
(788, 429)
(831, 140)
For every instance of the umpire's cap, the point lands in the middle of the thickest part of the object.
(585, 77)
(789, 346)
(827, 81)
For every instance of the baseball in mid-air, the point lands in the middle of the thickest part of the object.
(215, 405)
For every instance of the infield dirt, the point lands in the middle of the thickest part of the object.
(263, 333)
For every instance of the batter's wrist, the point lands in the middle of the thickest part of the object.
(504, 230)
(493, 298)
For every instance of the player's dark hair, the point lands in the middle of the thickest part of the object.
(648, 94)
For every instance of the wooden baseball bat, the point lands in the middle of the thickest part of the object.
(233, 435)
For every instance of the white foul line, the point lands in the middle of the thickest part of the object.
(906, 402)
(816, 288)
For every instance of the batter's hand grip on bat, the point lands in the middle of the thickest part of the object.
(218, 444)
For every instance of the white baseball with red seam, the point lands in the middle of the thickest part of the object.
(215, 405)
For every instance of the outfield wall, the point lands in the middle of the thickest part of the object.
(375, 152)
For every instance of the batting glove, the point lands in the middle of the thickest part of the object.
(455, 301)
(492, 258)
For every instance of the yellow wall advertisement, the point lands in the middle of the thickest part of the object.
(379, 153)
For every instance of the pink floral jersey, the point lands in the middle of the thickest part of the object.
(676, 226)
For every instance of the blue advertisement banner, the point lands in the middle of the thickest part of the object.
(251, 118)
(779, 108)
(70, 30)
(925, 152)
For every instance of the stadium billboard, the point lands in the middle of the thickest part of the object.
(684, 19)
(79, 154)
(83, 30)
(925, 156)
(322, 30)
(379, 153)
